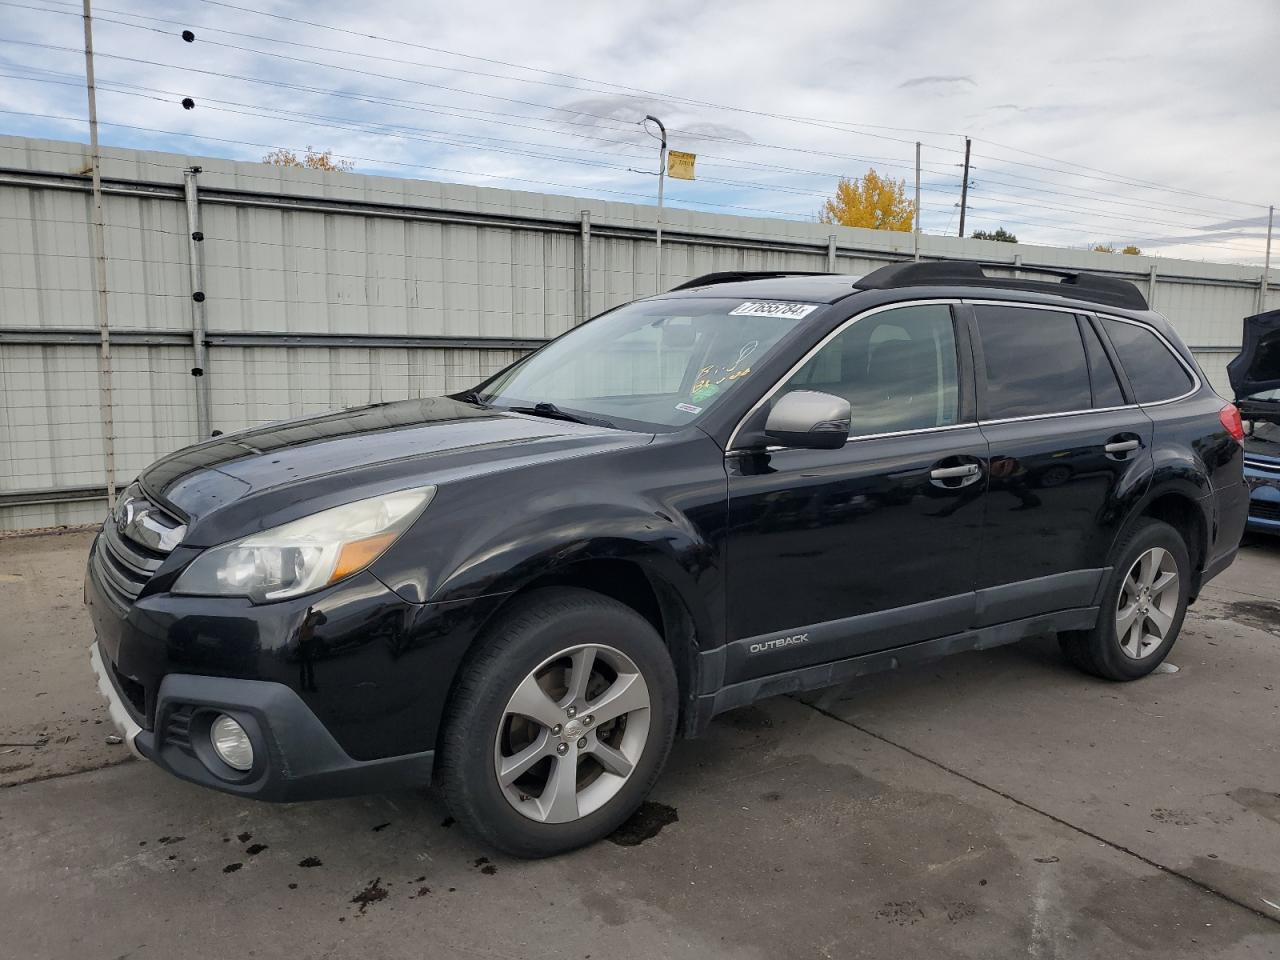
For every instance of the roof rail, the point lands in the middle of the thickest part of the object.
(734, 276)
(968, 273)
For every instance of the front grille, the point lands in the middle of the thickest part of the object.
(123, 567)
(1266, 466)
(122, 561)
(1264, 510)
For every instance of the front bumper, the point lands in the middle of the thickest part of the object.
(295, 757)
(129, 728)
(342, 691)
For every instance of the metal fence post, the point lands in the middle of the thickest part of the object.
(106, 399)
(1266, 263)
(1017, 266)
(584, 283)
(199, 369)
(1151, 287)
(831, 253)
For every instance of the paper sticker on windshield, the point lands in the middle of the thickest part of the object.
(688, 408)
(770, 308)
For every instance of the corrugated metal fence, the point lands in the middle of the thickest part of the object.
(324, 290)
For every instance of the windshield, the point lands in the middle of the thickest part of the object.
(653, 364)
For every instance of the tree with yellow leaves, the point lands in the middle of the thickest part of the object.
(312, 160)
(1131, 249)
(871, 201)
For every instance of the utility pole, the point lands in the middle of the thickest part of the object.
(662, 171)
(916, 216)
(964, 185)
(1266, 263)
(100, 260)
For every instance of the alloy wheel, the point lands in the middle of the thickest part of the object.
(1148, 603)
(572, 733)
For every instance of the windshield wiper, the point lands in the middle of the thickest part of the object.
(472, 397)
(552, 412)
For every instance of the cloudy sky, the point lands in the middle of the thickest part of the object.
(1152, 123)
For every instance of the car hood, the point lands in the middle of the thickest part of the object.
(1257, 368)
(359, 451)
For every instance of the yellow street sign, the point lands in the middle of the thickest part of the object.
(680, 164)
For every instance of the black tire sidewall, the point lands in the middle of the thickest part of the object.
(540, 626)
(1110, 657)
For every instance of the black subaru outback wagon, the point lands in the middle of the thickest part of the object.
(750, 485)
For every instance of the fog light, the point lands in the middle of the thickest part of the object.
(231, 743)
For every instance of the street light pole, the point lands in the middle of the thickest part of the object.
(662, 170)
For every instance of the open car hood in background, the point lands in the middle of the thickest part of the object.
(1257, 368)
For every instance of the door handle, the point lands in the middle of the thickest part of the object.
(955, 473)
(1122, 446)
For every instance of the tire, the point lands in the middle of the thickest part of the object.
(530, 660)
(1104, 651)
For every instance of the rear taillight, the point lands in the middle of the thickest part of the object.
(1230, 417)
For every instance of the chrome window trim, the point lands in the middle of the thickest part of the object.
(882, 308)
(1196, 382)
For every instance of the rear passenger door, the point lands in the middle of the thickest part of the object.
(1069, 452)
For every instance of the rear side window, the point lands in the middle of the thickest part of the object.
(1106, 387)
(1035, 362)
(1155, 373)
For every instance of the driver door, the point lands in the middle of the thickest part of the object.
(836, 553)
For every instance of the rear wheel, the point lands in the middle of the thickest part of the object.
(1142, 608)
(560, 724)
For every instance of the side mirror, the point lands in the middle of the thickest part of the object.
(809, 420)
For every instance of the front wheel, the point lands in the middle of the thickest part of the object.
(1142, 608)
(560, 724)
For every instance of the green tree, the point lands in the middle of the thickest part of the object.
(1000, 233)
(311, 160)
(871, 201)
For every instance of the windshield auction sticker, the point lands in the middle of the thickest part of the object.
(788, 311)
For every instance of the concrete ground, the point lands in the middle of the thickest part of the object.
(996, 804)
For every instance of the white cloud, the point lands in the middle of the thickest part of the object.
(1159, 93)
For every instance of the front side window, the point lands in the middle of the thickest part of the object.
(656, 364)
(897, 369)
(1034, 362)
(1154, 372)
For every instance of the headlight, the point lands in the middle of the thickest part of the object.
(307, 554)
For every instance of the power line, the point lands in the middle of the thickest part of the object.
(448, 138)
(364, 125)
(394, 101)
(397, 163)
(840, 126)
(843, 126)
(1118, 178)
(443, 137)
(418, 64)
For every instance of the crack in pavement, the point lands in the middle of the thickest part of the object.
(60, 774)
(1186, 878)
